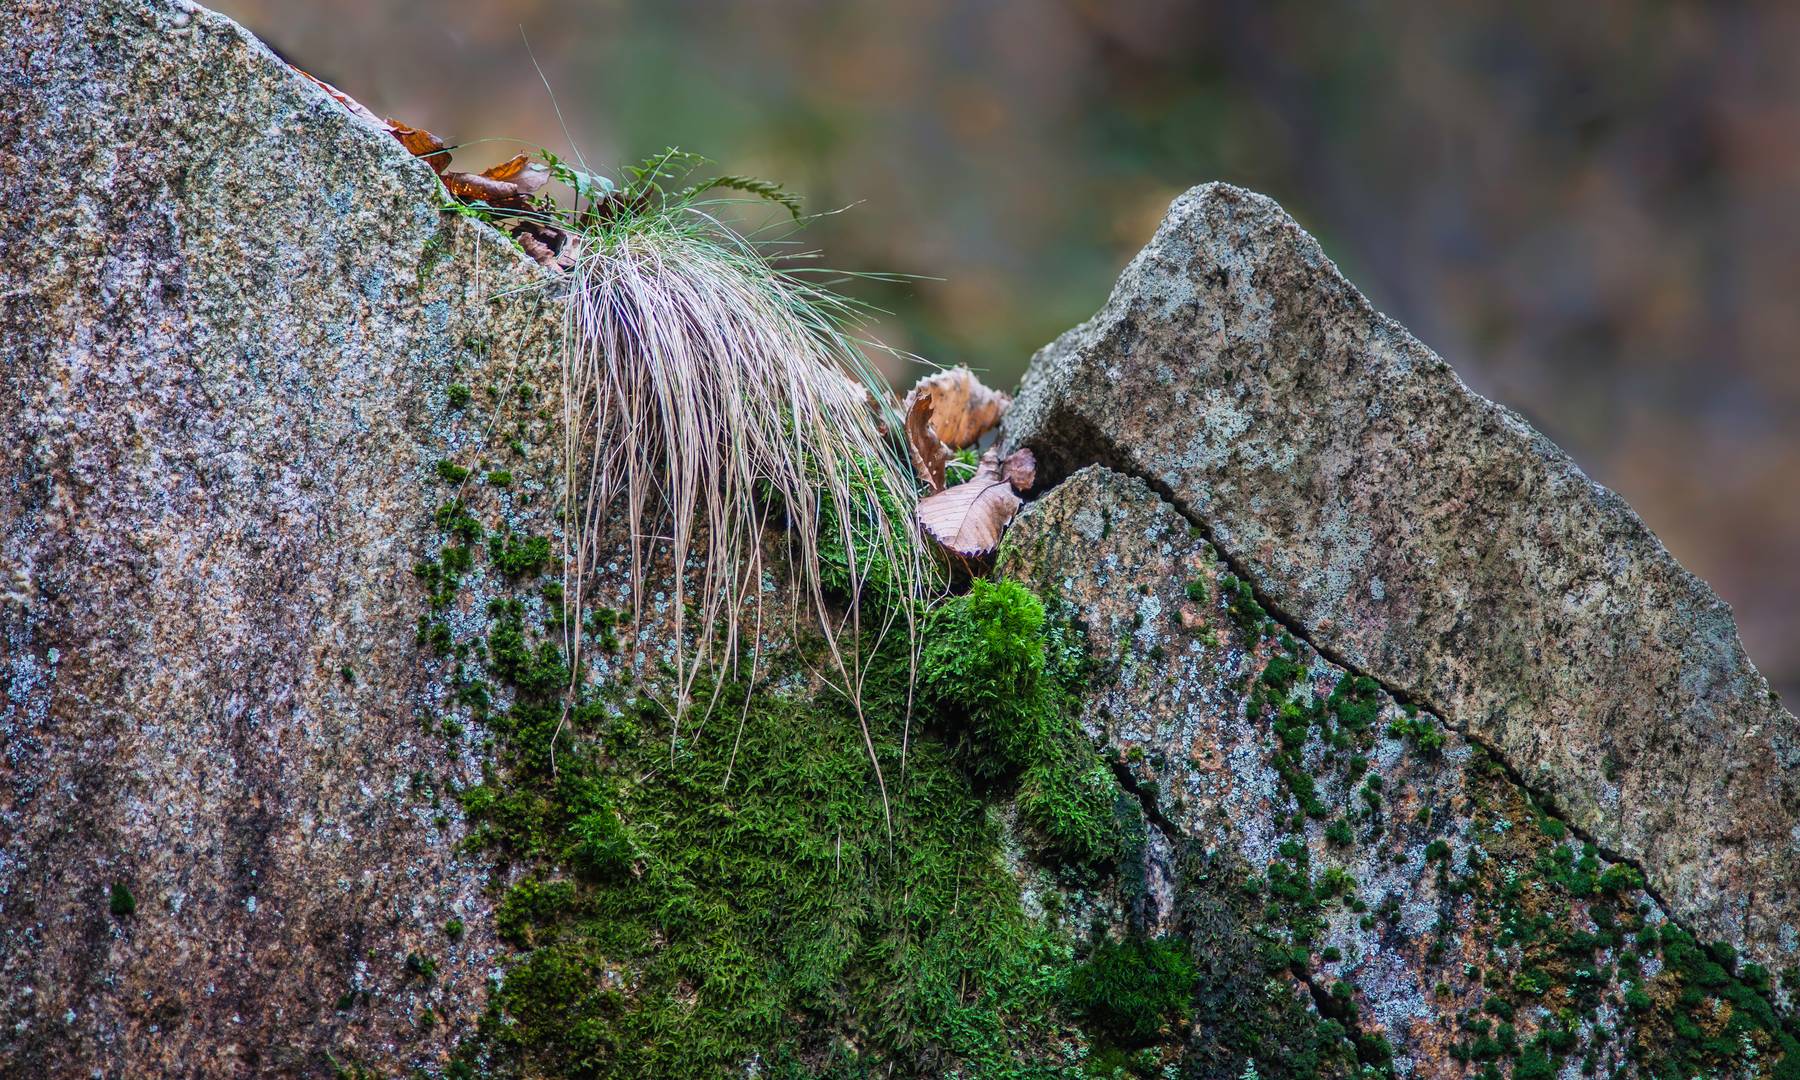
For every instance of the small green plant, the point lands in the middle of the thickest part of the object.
(121, 901)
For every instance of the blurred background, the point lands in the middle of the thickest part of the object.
(1591, 209)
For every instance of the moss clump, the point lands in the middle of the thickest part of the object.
(518, 556)
(684, 924)
(729, 898)
(857, 560)
(1241, 607)
(1134, 991)
(1004, 682)
(121, 902)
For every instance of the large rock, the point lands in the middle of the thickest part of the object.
(230, 317)
(1387, 869)
(1420, 534)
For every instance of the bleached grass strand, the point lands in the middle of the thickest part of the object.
(704, 390)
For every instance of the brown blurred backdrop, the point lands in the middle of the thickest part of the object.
(1591, 209)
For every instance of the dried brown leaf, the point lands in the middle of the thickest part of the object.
(963, 409)
(1020, 470)
(473, 186)
(545, 242)
(507, 185)
(522, 172)
(929, 454)
(969, 519)
(421, 143)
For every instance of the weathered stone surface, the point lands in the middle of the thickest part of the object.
(229, 318)
(1430, 538)
(1429, 883)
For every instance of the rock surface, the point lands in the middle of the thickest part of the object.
(1424, 536)
(280, 657)
(231, 313)
(1423, 890)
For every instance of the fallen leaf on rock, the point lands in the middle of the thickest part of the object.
(930, 455)
(963, 410)
(507, 184)
(421, 143)
(546, 243)
(969, 519)
(522, 172)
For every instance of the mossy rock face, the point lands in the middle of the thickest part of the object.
(303, 776)
(235, 316)
(732, 890)
(1438, 544)
(1393, 875)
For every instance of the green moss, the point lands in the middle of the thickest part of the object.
(684, 905)
(762, 913)
(1004, 683)
(458, 396)
(1134, 991)
(1569, 935)
(1241, 606)
(856, 563)
(121, 902)
(518, 556)
(451, 473)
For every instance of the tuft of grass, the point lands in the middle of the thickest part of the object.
(710, 393)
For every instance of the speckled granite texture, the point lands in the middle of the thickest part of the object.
(1425, 536)
(228, 318)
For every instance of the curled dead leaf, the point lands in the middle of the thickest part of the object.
(421, 143)
(963, 410)
(969, 519)
(506, 185)
(522, 172)
(475, 186)
(929, 454)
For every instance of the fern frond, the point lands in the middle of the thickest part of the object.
(749, 185)
(672, 164)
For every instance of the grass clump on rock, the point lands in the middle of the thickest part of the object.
(711, 392)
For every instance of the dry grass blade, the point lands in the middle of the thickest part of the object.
(709, 395)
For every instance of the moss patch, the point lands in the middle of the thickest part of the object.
(731, 897)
